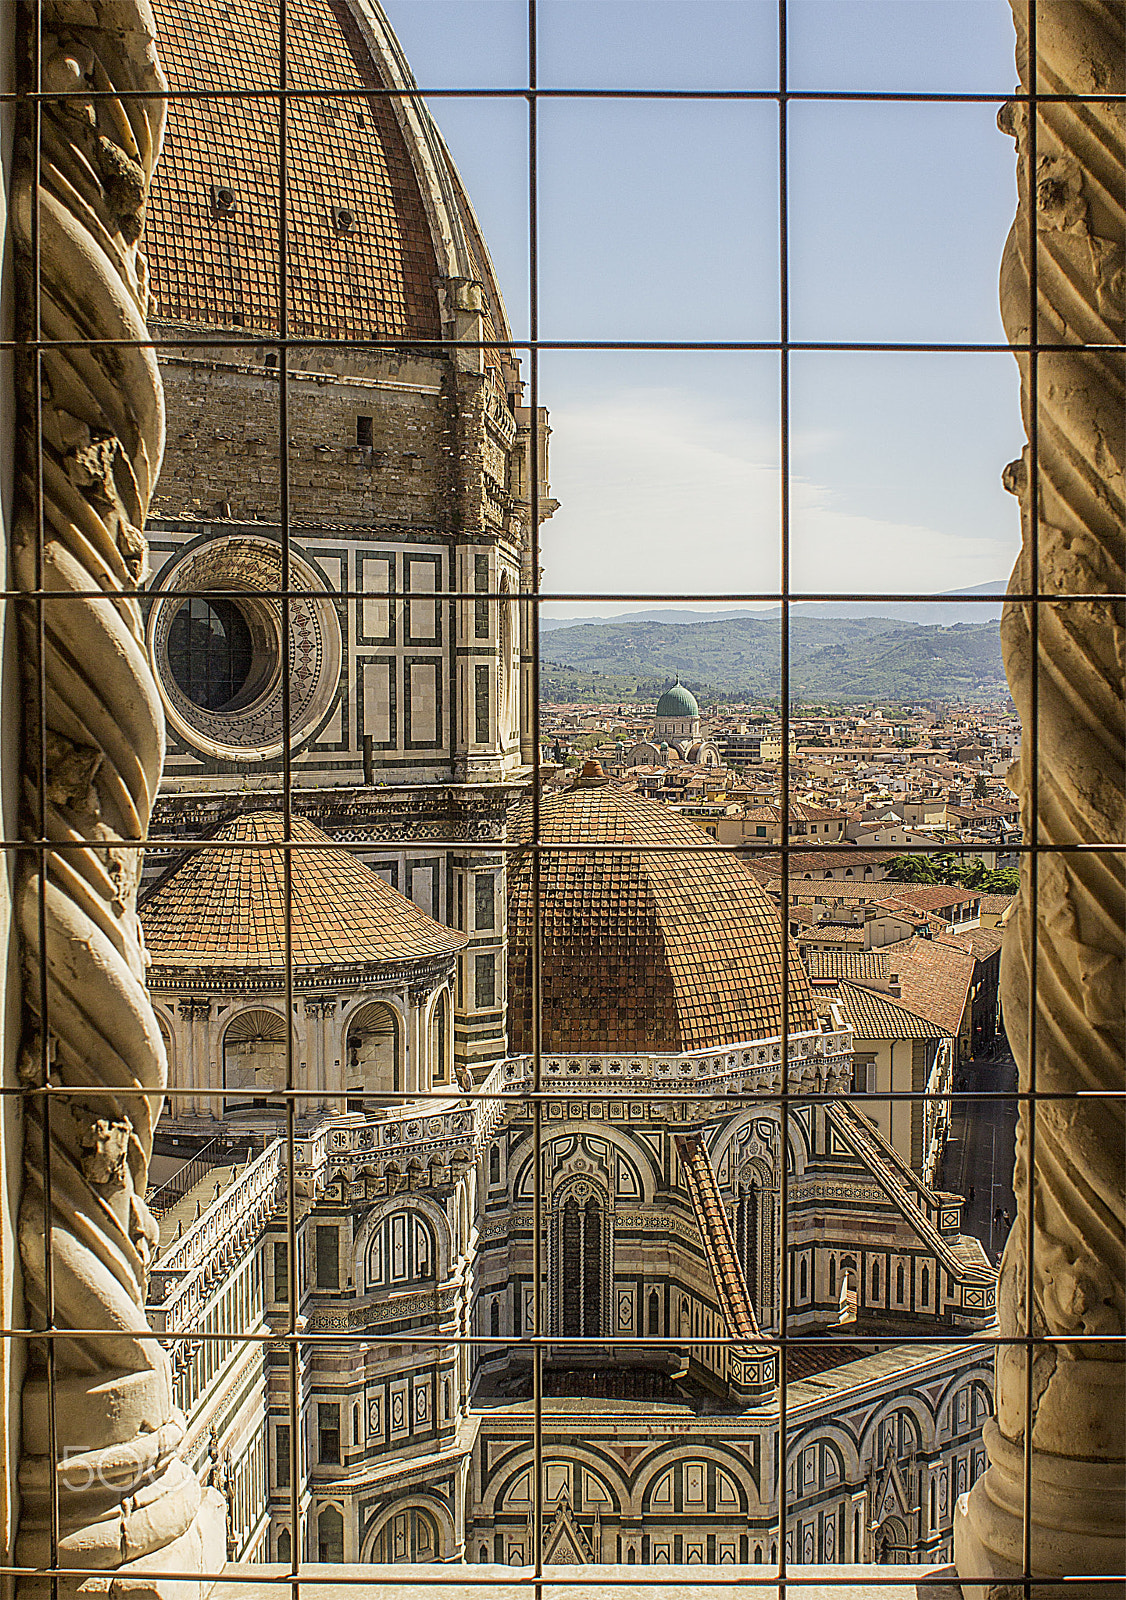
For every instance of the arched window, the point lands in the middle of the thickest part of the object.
(803, 1276)
(401, 1250)
(754, 1242)
(875, 1280)
(438, 1048)
(253, 1057)
(934, 1504)
(925, 1285)
(654, 1312)
(330, 1535)
(899, 1282)
(832, 1277)
(494, 1164)
(580, 1234)
(494, 1318)
(373, 1054)
(285, 1547)
(356, 1423)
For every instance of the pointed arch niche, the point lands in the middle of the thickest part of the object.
(756, 1233)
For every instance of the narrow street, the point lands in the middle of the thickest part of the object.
(978, 1159)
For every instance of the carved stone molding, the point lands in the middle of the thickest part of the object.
(90, 437)
(1072, 207)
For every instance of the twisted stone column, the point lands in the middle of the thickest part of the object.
(1075, 199)
(105, 1450)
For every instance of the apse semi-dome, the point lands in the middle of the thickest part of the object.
(375, 213)
(642, 949)
(223, 907)
(677, 702)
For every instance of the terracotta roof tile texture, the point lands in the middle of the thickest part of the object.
(935, 975)
(642, 950)
(225, 907)
(859, 966)
(220, 267)
(878, 1016)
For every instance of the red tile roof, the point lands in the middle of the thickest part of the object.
(642, 950)
(225, 907)
(935, 976)
(220, 267)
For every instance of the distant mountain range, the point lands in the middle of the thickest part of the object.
(737, 656)
(942, 610)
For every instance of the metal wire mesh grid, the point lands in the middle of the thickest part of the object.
(541, 1093)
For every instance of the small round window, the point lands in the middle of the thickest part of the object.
(210, 651)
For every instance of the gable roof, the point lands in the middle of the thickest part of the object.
(873, 1015)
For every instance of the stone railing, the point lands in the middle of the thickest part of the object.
(819, 1062)
(412, 1140)
(179, 1284)
(420, 1140)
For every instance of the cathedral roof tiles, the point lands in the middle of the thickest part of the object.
(224, 906)
(655, 940)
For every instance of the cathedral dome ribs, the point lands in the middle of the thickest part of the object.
(654, 939)
(222, 911)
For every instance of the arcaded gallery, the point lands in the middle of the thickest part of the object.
(500, 1088)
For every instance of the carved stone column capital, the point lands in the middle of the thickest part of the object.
(1071, 780)
(90, 438)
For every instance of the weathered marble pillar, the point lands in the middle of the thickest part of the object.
(1075, 201)
(100, 1431)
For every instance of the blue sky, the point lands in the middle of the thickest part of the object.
(658, 221)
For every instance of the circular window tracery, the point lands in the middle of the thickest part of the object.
(218, 657)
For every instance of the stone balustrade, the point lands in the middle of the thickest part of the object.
(424, 1138)
(179, 1284)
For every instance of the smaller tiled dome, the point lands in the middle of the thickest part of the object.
(226, 907)
(677, 702)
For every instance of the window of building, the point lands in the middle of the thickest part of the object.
(281, 1456)
(581, 1231)
(484, 982)
(281, 1273)
(364, 435)
(484, 903)
(328, 1256)
(400, 1250)
(328, 1433)
(210, 651)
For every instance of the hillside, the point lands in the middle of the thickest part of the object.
(831, 659)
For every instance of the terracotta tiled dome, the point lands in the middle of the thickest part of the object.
(226, 907)
(361, 257)
(642, 950)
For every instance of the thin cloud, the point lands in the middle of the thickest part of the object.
(663, 492)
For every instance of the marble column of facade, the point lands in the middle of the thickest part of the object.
(102, 1483)
(1071, 776)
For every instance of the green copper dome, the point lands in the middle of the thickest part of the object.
(677, 702)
